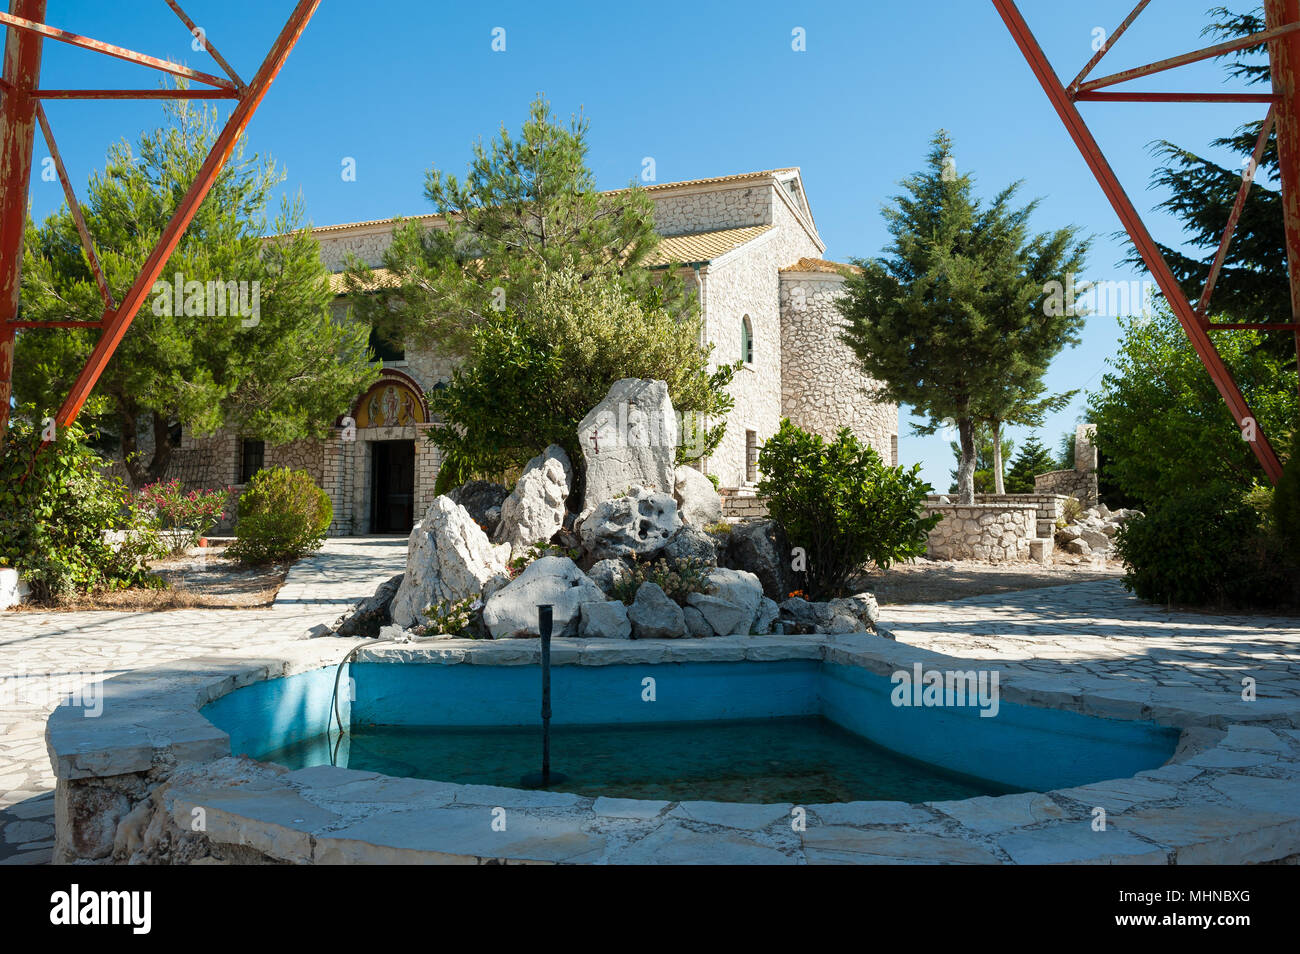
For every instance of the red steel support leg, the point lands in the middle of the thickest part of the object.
(1284, 57)
(1142, 239)
(116, 324)
(22, 70)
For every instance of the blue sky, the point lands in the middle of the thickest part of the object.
(705, 89)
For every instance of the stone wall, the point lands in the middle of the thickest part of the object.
(747, 282)
(1069, 483)
(710, 208)
(742, 505)
(996, 532)
(822, 389)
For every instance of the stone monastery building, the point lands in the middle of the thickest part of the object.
(749, 248)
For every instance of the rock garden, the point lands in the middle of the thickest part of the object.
(630, 546)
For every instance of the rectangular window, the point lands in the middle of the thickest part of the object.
(383, 349)
(893, 450)
(751, 456)
(252, 455)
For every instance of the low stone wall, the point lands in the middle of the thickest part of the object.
(742, 505)
(997, 532)
(1069, 483)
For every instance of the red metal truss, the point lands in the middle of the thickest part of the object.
(1282, 36)
(21, 112)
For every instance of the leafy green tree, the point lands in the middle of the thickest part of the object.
(264, 358)
(1160, 419)
(841, 504)
(527, 207)
(960, 304)
(1033, 459)
(529, 379)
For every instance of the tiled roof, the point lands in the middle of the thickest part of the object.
(657, 187)
(702, 246)
(686, 249)
(821, 265)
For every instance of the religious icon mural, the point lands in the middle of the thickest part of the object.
(390, 403)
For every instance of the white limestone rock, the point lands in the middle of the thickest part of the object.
(534, 511)
(629, 439)
(606, 573)
(692, 543)
(448, 558)
(698, 503)
(555, 580)
(767, 614)
(607, 620)
(733, 606)
(635, 524)
(654, 615)
(696, 624)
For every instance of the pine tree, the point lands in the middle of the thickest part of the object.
(960, 305)
(282, 373)
(527, 208)
(1033, 459)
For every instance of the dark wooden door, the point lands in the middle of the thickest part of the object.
(392, 494)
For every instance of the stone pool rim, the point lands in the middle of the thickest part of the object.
(1203, 806)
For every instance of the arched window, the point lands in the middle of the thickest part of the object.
(746, 340)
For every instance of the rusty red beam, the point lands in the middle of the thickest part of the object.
(109, 49)
(1247, 178)
(116, 325)
(1126, 97)
(21, 71)
(135, 94)
(1141, 237)
(74, 207)
(202, 37)
(1105, 47)
(1209, 52)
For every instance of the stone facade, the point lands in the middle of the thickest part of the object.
(996, 532)
(822, 389)
(793, 363)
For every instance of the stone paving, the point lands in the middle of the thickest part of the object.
(45, 654)
(1094, 628)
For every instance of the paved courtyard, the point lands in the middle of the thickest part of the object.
(42, 654)
(1093, 627)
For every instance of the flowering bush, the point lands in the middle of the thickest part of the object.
(190, 515)
(677, 578)
(455, 618)
(59, 513)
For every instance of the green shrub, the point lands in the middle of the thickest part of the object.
(56, 507)
(677, 578)
(842, 505)
(1286, 501)
(282, 515)
(1205, 548)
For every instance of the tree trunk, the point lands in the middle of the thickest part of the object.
(998, 486)
(162, 448)
(966, 464)
(128, 417)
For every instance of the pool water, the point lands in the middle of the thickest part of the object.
(800, 759)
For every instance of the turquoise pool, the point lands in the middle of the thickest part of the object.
(795, 730)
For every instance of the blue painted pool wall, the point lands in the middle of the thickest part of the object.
(1023, 747)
